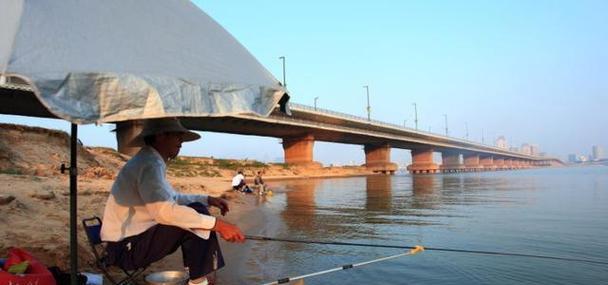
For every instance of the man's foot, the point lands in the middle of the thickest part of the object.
(200, 281)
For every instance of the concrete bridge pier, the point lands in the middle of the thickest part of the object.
(450, 162)
(487, 162)
(422, 162)
(125, 133)
(523, 163)
(378, 159)
(499, 163)
(471, 162)
(514, 165)
(517, 164)
(507, 165)
(299, 151)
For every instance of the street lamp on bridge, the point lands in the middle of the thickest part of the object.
(368, 107)
(446, 124)
(316, 102)
(284, 82)
(415, 116)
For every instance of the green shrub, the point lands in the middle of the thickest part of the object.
(11, 171)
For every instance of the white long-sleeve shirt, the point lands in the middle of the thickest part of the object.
(142, 197)
(236, 180)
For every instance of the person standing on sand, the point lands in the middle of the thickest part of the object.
(145, 219)
(258, 181)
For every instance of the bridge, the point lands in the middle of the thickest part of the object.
(307, 124)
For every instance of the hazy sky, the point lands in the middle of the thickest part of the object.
(533, 71)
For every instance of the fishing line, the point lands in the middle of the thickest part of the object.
(261, 238)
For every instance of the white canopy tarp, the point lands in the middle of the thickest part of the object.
(115, 60)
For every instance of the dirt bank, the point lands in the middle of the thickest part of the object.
(34, 194)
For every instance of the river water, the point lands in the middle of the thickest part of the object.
(559, 212)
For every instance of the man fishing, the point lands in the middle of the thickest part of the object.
(145, 219)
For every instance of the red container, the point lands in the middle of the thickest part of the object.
(36, 273)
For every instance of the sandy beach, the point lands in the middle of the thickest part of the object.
(34, 196)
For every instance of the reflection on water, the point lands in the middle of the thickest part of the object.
(558, 212)
(299, 211)
(378, 190)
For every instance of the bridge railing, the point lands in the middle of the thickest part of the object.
(353, 117)
(379, 123)
(394, 126)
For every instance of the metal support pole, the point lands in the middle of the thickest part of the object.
(73, 205)
(446, 124)
(316, 103)
(368, 107)
(415, 116)
(284, 80)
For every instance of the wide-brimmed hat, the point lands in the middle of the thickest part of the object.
(163, 125)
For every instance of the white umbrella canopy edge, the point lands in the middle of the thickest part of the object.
(151, 59)
(114, 60)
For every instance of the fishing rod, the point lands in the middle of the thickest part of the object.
(412, 251)
(262, 238)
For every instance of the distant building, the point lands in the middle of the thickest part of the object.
(572, 158)
(514, 149)
(501, 142)
(526, 149)
(597, 152)
(534, 149)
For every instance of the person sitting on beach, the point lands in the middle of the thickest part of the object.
(258, 182)
(239, 184)
(145, 219)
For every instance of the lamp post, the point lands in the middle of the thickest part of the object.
(316, 103)
(284, 81)
(482, 138)
(405, 123)
(415, 116)
(368, 107)
(466, 127)
(446, 124)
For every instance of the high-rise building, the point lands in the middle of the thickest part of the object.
(534, 149)
(526, 149)
(572, 158)
(597, 152)
(501, 142)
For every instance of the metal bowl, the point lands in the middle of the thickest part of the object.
(167, 278)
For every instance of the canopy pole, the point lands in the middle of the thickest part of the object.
(73, 205)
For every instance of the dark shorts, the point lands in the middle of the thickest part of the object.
(238, 187)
